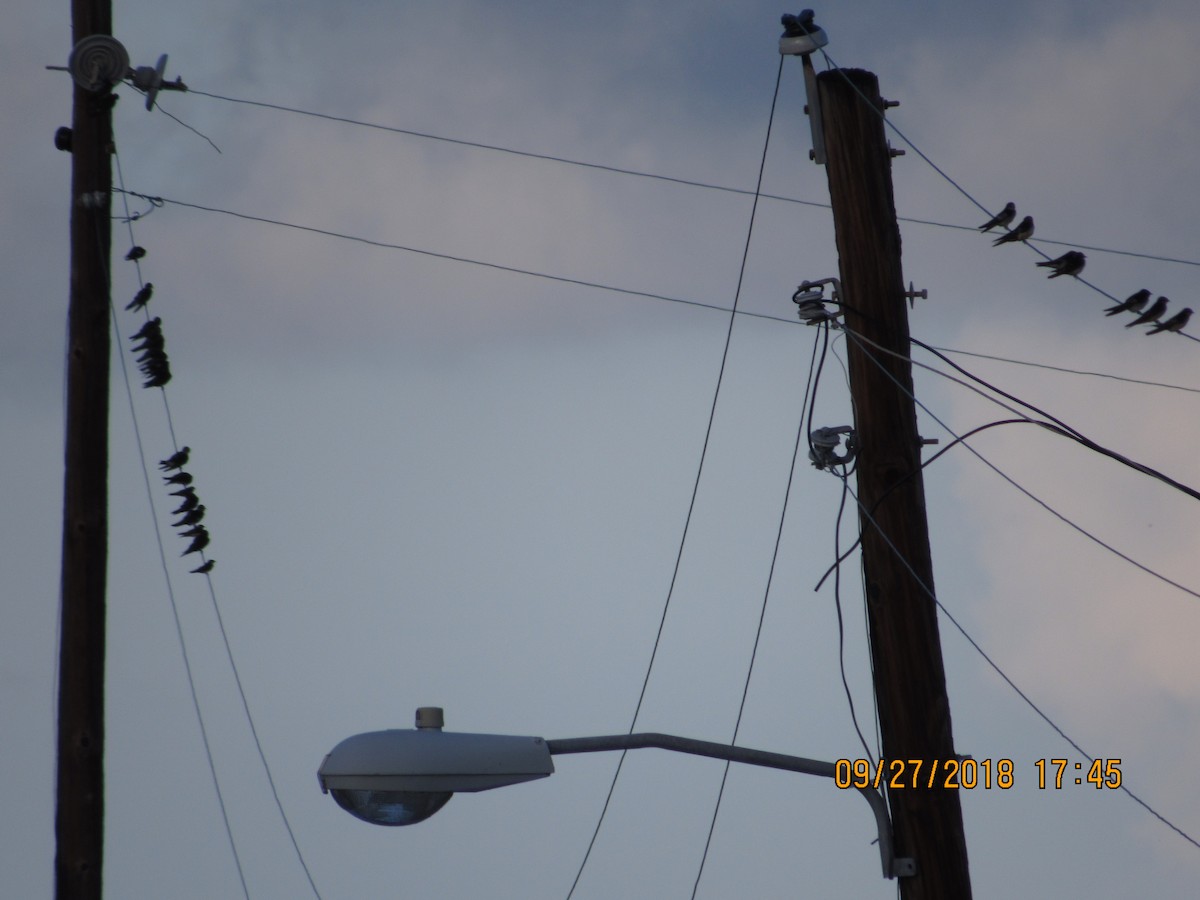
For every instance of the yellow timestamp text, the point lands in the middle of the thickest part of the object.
(898, 774)
(1100, 773)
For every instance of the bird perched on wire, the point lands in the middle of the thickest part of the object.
(1023, 232)
(176, 460)
(1133, 303)
(182, 478)
(191, 501)
(199, 542)
(1070, 263)
(194, 531)
(190, 517)
(135, 253)
(1175, 323)
(152, 326)
(152, 341)
(141, 298)
(1002, 219)
(1153, 314)
(204, 569)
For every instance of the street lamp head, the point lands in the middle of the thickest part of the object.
(404, 776)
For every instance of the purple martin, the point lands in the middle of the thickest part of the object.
(1070, 263)
(204, 569)
(191, 517)
(1023, 232)
(135, 253)
(151, 326)
(176, 460)
(155, 343)
(1153, 314)
(187, 492)
(1002, 219)
(1175, 323)
(1132, 303)
(141, 298)
(189, 502)
(178, 478)
(199, 542)
(194, 531)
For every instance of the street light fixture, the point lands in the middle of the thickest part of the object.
(404, 776)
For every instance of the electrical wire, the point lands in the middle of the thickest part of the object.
(924, 587)
(695, 491)
(837, 602)
(1111, 549)
(1022, 362)
(815, 380)
(963, 631)
(1073, 432)
(946, 177)
(187, 667)
(562, 279)
(762, 615)
(211, 590)
(618, 170)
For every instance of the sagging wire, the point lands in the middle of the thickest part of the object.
(695, 489)
(929, 592)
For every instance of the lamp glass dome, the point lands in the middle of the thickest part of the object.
(390, 807)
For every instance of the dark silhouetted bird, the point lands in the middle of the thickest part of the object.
(176, 460)
(1070, 263)
(199, 542)
(188, 492)
(135, 253)
(191, 517)
(1132, 303)
(204, 569)
(1023, 232)
(152, 341)
(141, 298)
(194, 531)
(1175, 323)
(178, 478)
(1153, 314)
(189, 502)
(151, 326)
(1002, 219)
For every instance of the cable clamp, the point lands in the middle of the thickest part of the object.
(824, 442)
(810, 301)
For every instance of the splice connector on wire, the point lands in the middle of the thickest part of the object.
(810, 301)
(824, 443)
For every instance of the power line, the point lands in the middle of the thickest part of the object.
(1022, 362)
(946, 177)
(1012, 684)
(618, 170)
(562, 279)
(1026, 491)
(212, 595)
(692, 502)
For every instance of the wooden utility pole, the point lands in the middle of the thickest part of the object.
(910, 681)
(79, 816)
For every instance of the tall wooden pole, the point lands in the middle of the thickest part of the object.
(79, 816)
(910, 681)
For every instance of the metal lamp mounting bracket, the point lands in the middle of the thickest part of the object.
(802, 36)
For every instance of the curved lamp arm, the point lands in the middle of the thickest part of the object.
(891, 866)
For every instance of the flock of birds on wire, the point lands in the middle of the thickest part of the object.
(1072, 263)
(153, 363)
(151, 344)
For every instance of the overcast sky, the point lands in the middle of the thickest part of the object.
(430, 482)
